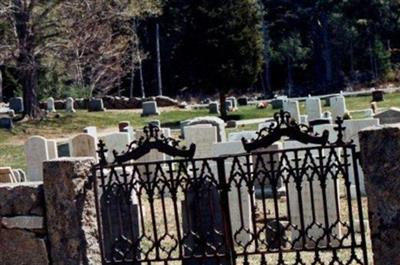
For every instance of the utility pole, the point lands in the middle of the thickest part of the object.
(159, 80)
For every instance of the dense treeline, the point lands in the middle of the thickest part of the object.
(309, 46)
(141, 48)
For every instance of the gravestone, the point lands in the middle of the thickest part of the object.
(50, 105)
(214, 121)
(243, 101)
(92, 130)
(311, 196)
(237, 136)
(353, 127)
(96, 105)
(122, 125)
(241, 221)
(234, 102)
(16, 104)
(338, 106)
(52, 149)
(83, 145)
(389, 116)
(150, 108)
(313, 108)
(377, 95)
(22, 175)
(69, 105)
(152, 156)
(213, 108)
(277, 103)
(115, 141)
(7, 175)
(130, 131)
(6, 123)
(17, 175)
(63, 149)
(228, 105)
(319, 129)
(203, 136)
(264, 160)
(202, 224)
(36, 151)
(292, 107)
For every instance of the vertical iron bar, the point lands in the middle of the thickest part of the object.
(224, 198)
(359, 202)
(99, 224)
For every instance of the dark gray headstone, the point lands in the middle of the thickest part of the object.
(6, 123)
(63, 150)
(277, 103)
(203, 226)
(16, 104)
(213, 107)
(120, 220)
(96, 104)
(243, 101)
(377, 95)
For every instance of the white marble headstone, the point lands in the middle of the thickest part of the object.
(203, 136)
(313, 108)
(83, 145)
(36, 151)
(293, 108)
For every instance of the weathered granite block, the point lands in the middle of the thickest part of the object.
(20, 247)
(70, 205)
(21, 199)
(380, 156)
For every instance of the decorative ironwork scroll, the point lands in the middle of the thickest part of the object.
(153, 140)
(283, 126)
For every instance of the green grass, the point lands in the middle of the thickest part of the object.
(64, 124)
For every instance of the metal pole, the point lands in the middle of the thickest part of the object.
(159, 80)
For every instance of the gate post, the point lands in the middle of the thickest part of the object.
(70, 212)
(224, 195)
(380, 156)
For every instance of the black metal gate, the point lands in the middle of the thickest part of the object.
(289, 206)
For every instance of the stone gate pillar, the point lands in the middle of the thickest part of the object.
(71, 212)
(380, 159)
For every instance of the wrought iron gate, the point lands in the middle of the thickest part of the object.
(264, 206)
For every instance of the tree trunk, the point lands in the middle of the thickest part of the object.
(27, 65)
(289, 77)
(327, 51)
(371, 58)
(1, 87)
(352, 72)
(267, 72)
(142, 90)
(222, 107)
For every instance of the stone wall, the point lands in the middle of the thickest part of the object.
(53, 222)
(111, 102)
(380, 155)
(23, 234)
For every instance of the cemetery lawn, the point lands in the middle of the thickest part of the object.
(63, 125)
